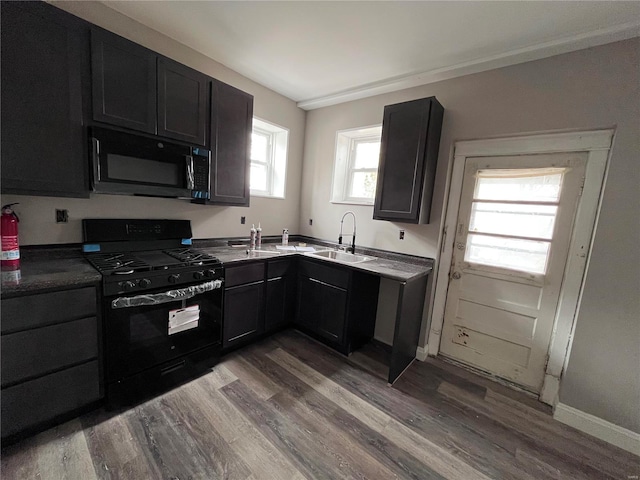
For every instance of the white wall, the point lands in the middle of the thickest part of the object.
(37, 214)
(587, 89)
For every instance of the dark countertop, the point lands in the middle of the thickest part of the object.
(399, 267)
(59, 268)
(40, 274)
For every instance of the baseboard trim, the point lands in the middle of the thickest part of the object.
(599, 428)
(422, 353)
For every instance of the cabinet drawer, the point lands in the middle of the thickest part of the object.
(31, 311)
(36, 352)
(331, 275)
(279, 268)
(31, 403)
(253, 272)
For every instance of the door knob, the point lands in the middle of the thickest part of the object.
(456, 275)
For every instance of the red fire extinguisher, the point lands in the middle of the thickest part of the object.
(9, 232)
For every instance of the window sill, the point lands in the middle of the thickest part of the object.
(264, 195)
(352, 202)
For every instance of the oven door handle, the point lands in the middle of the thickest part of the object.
(165, 297)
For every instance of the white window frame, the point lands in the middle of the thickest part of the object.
(276, 161)
(344, 166)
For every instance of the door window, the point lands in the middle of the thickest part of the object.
(513, 216)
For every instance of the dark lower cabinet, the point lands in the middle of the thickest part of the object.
(243, 306)
(408, 159)
(280, 294)
(45, 75)
(337, 305)
(50, 357)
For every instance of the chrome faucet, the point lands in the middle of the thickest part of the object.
(351, 249)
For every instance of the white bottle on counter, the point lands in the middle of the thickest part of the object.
(259, 236)
(252, 237)
(285, 236)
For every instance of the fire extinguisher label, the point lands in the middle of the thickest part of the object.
(10, 248)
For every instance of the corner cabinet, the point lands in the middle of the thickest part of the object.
(408, 158)
(136, 88)
(45, 75)
(231, 124)
(336, 305)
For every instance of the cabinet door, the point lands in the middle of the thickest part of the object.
(322, 308)
(231, 123)
(44, 56)
(243, 313)
(280, 293)
(334, 310)
(309, 303)
(123, 82)
(408, 157)
(183, 102)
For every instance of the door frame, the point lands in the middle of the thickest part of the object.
(597, 144)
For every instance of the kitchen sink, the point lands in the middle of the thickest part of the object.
(341, 257)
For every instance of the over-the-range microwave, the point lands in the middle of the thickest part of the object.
(129, 164)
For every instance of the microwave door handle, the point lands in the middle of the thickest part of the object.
(166, 297)
(190, 173)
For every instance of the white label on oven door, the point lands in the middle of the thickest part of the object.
(183, 319)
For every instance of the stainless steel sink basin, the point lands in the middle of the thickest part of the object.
(341, 257)
(261, 253)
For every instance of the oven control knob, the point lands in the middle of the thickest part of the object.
(198, 275)
(210, 273)
(128, 285)
(144, 283)
(174, 278)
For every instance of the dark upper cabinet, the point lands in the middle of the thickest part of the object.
(123, 82)
(231, 123)
(45, 73)
(408, 159)
(134, 87)
(183, 102)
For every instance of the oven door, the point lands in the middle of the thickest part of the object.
(144, 331)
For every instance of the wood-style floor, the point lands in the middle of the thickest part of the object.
(289, 408)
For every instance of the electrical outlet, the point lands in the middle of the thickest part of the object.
(401, 234)
(243, 220)
(62, 216)
(311, 221)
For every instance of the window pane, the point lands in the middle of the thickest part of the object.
(367, 154)
(363, 185)
(258, 177)
(259, 147)
(536, 184)
(509, 219)
(515, 254)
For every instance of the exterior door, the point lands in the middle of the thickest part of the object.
(512, 237)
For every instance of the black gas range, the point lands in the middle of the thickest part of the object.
(162, 304)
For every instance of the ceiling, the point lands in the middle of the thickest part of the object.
(323, 53)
